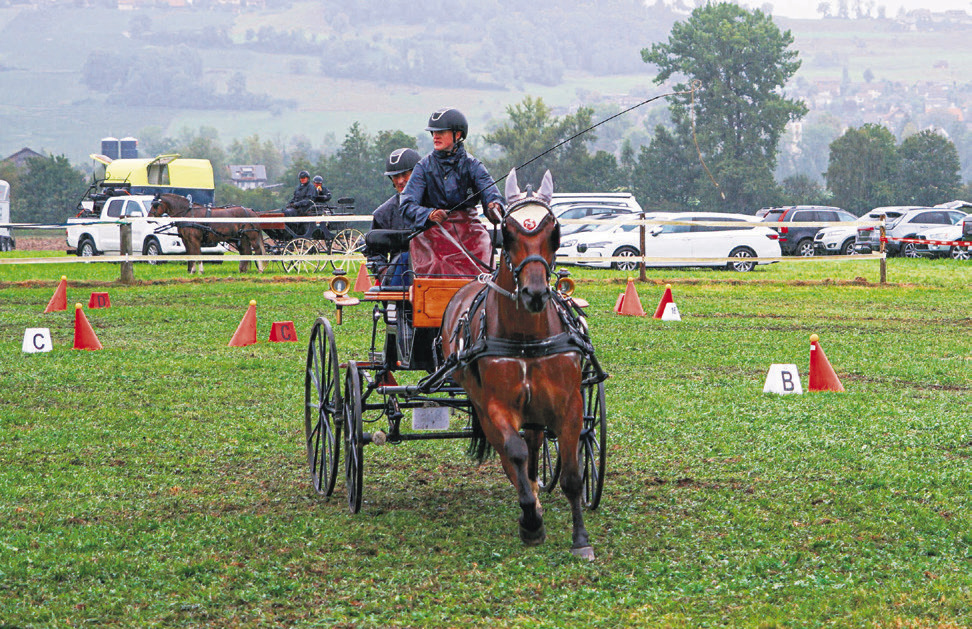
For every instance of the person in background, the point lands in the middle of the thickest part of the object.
(321, 193)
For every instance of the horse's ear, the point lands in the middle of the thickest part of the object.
(512, 187)
(546, 188)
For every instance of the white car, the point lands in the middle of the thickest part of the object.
(961, 231)
(749, 242)
(840, 240)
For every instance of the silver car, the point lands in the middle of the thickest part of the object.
(903, 226)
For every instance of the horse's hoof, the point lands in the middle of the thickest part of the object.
(584, 552)
(533, 538)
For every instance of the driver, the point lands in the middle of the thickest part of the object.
(303, 194)
(448, 183)
(398, 168)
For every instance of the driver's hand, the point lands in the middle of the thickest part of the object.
(494, 212)
(438, 215)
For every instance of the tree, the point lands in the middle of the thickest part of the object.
(928, 169)
(862, 167)
(742, 62)
(533, 130)
(49, 189)
(803, 190)
(667, 174)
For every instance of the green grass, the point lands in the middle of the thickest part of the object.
(162, 480)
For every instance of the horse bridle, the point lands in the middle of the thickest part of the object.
(516, 269)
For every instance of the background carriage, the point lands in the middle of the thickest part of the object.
(328, 236)
(352, 404)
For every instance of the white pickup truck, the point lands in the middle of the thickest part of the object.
(87, 236)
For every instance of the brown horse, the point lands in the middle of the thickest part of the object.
(528, 378)
(246, 237)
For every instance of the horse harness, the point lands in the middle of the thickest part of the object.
(575, 338)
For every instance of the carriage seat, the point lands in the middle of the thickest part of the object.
(387, 240)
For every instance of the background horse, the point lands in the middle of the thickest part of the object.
(528, 378)
(246, 237)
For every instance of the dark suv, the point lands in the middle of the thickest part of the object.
(796, 239)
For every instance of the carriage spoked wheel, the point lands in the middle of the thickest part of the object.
(323, 409)
(353, 436)
(549, 465)
(593, 441)
(300, 247)
(346, 242)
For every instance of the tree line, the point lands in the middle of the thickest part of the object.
(717, 151)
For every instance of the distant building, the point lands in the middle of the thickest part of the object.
(20, 157)
(248, 177)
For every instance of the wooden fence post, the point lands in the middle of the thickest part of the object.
(642, 275)
(884, 260)
(125, 246)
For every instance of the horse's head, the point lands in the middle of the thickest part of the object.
(159, 206)
(531, 236)
(168, 204)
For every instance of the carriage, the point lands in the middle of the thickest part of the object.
(327, 236)
(358, 403)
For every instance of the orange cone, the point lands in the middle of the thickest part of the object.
(665, 300)
(246, 332)
(363, 282)
(84, 336)
(99, 300)
(59, 300)
(283, 332)
(822, 376)
(629, 303)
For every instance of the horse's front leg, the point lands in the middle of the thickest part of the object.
(571, 480)
(515, 455)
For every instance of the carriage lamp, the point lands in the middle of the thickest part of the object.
(565, 286)
(339, 283)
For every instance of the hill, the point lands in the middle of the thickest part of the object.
(306, 71)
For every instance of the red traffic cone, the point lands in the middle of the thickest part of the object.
(99, 300)
(629, 303)
(822, 376)
(246, 332)
(283, 332)
(363, 282)
(59, 300)
(665, 300)
(84, 335)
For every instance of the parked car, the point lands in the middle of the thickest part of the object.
(908, 224)
(593, 212)
(563, 200)
(839, 240)
(612, 223)
(960, 232)
(796, 239)
(748, 242)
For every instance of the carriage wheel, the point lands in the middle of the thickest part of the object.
(346, 242)
(353, 436)
(593, 443)
(549, 471)
(322, 406)
(300, 247)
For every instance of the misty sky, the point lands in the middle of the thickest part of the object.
(808, 8)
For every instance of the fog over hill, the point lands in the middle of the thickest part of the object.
(301, 73)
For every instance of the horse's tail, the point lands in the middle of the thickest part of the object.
(479, 446)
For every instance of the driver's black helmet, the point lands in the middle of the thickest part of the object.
(303, 175)
(401, 161)
(318, 179)
(448, 119)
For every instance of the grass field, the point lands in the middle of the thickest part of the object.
(162, 481)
